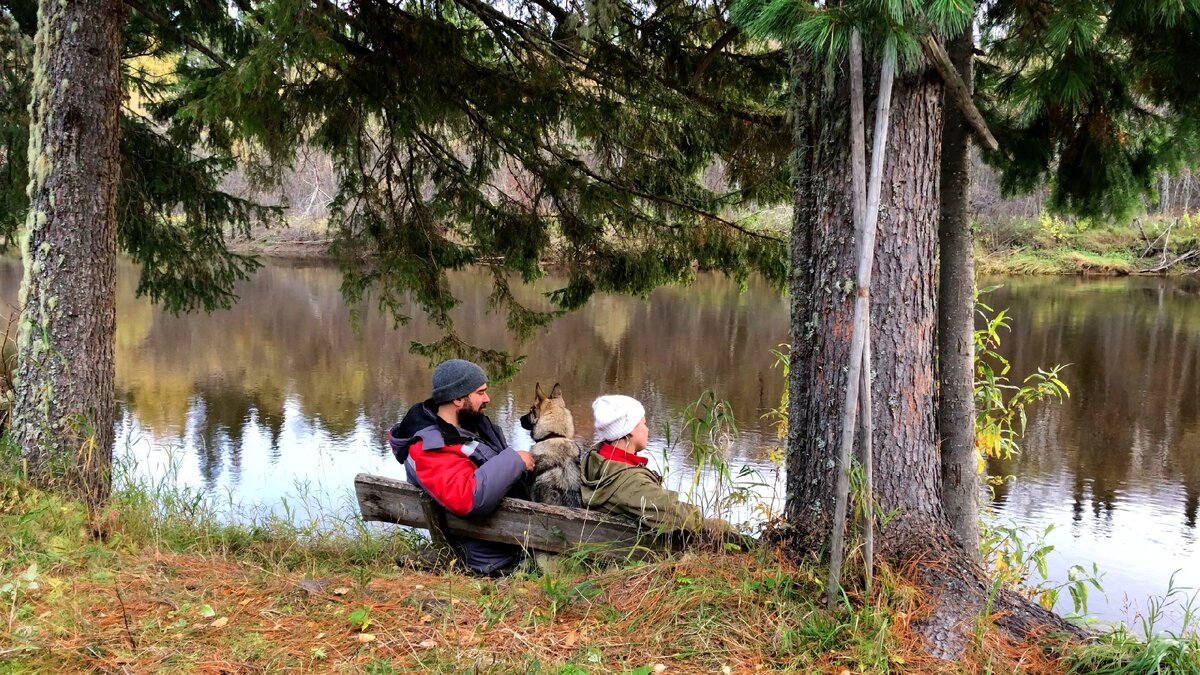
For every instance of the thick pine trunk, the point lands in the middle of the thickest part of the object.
(917, 535)
(902, 315)
(64, 406)
(956, 306)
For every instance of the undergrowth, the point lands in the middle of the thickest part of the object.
(160, 581)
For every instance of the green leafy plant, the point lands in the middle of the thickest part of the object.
(1000, 406)
(360, 618)
(710, 431)
(1016, 557)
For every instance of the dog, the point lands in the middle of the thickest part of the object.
(556, 455)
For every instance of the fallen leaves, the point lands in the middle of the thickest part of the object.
(219, 623)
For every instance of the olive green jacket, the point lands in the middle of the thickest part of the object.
(636, 492)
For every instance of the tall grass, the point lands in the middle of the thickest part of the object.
(156, 511)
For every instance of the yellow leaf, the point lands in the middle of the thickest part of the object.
(366, 637)
(220, 623)
(426, 618)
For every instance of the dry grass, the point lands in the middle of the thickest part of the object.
(158, 611)
(141, 589)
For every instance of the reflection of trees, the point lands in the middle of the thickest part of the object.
(1133, 418)
(291, 335)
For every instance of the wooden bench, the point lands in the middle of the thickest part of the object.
(539, 527)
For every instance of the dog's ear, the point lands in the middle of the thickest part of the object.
(556, 391)
(537, 392)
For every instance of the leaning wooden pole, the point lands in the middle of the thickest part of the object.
(866, 443)
(858, 179)
(867, 216)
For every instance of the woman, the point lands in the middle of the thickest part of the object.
(617, 480)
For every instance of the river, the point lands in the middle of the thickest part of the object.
(282, 399)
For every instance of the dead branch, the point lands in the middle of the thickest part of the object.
(958, 90)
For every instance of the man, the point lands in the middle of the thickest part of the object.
(453, 452)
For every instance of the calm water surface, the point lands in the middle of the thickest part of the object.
(289, 394)
(1116, 467)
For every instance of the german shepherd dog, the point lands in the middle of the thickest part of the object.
(555, 453)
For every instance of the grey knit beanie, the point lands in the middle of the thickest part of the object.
(455, 379)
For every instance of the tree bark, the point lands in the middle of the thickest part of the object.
(902, 319)
(916, 537)
(956, 306)
(64, 406)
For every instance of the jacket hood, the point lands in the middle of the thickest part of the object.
(422, 421)
(403, 434)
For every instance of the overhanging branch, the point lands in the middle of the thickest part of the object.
(171, 28)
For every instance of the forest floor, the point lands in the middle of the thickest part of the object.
(158, 582)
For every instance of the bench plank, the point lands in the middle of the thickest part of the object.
(541, 527)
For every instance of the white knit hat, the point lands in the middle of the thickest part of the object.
(616, 416)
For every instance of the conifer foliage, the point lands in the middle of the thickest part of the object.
(1093, 97)
(172, 211)
(462, 133)
(469, 132)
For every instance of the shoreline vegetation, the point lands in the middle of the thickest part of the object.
(1149, 245)
(159, 580)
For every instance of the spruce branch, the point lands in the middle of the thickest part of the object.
(171, 28)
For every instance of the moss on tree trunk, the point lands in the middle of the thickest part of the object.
(63, 409)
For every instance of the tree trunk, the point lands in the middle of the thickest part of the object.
(917, 536)
(902, 318)
(956, 305)
(63, 411)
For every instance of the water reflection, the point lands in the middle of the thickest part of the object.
(1117, 466)
(292, 385)
(292, 390)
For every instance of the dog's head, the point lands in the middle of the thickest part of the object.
(548, 416)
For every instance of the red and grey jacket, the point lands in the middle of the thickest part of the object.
(468, 472)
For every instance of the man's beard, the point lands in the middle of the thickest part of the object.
(469, 418)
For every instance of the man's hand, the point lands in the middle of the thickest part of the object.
(528, 458)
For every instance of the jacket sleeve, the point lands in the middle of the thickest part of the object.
(465, 490)
(493, 480)
(645, 499)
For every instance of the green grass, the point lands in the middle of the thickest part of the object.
(160, 580)
(1050, 246)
